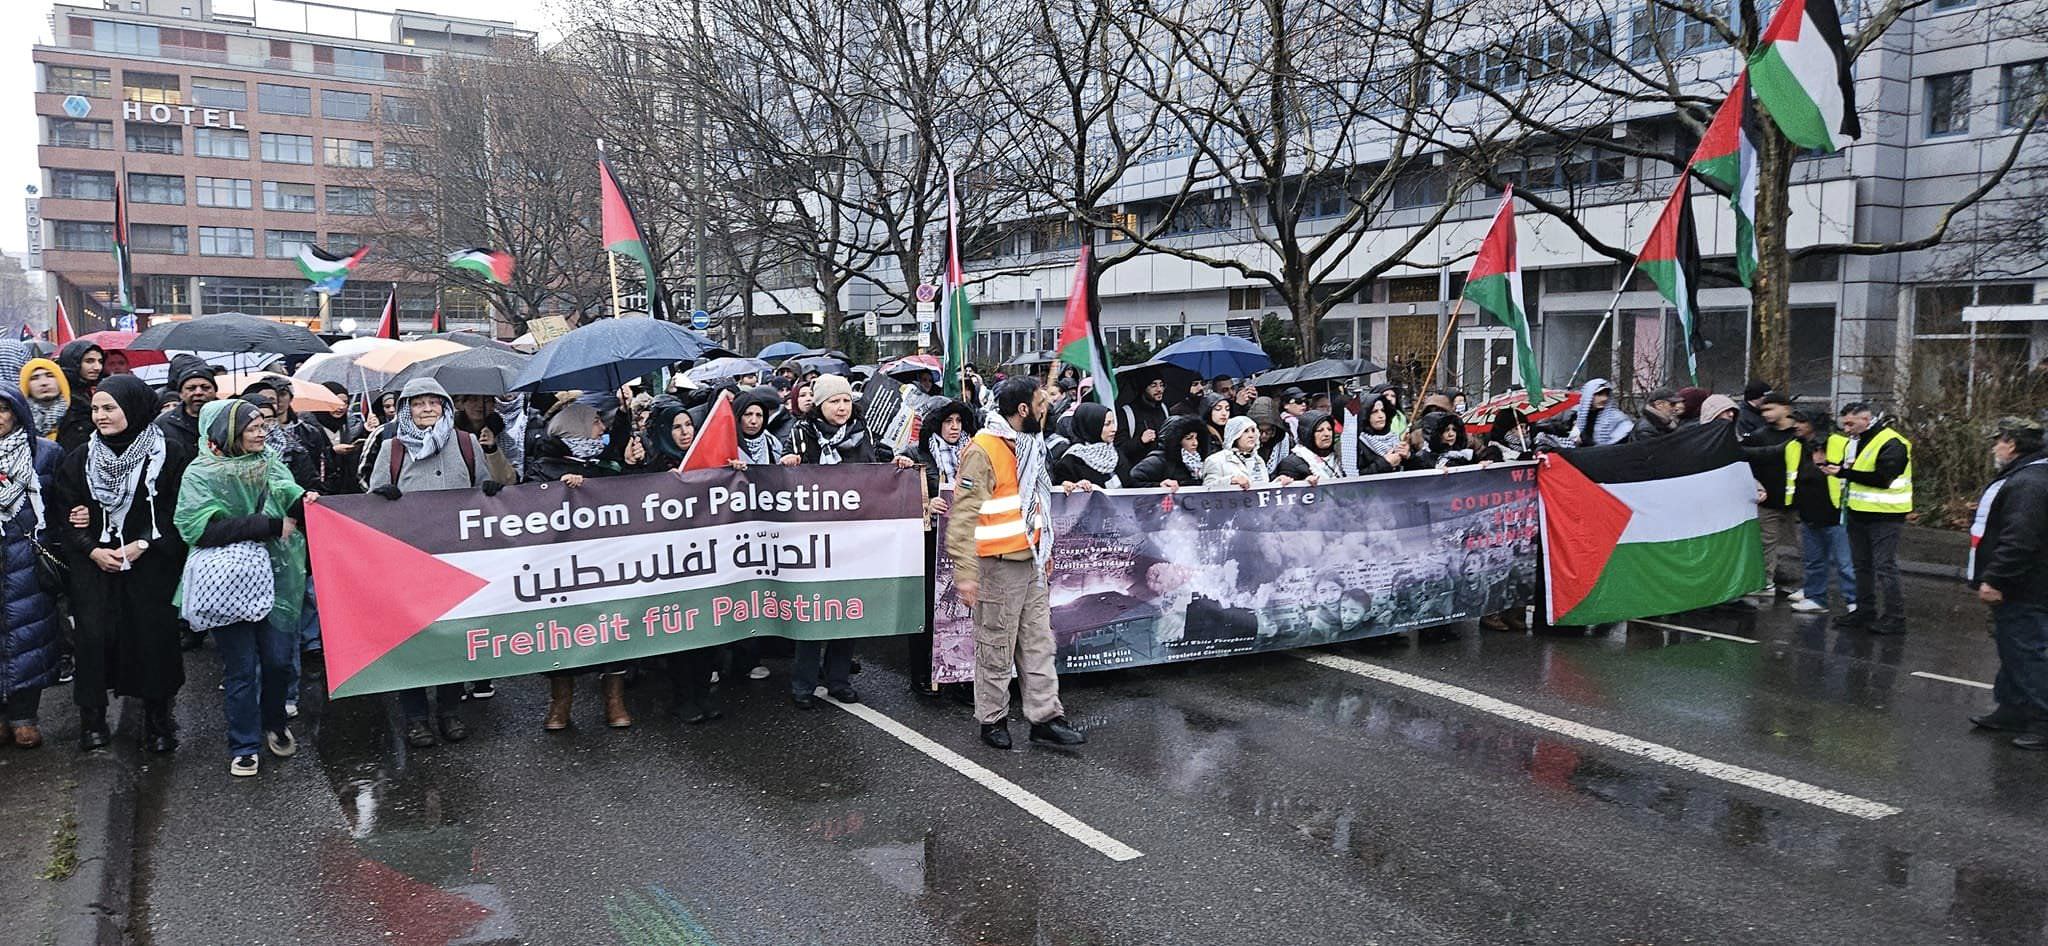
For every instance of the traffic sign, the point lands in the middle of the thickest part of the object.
(927, 293)
(700, 319)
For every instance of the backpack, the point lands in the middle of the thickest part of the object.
(463, 442)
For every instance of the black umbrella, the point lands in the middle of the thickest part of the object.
(1327, 369)
(605, 354)
(230, 332)
(1033, 359)
(482, 370)
(472, 340)
(1131, 379)
(822, 364)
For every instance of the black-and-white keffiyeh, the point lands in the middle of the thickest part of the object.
(284, 437)
(512, 443)
(762, 448)
(1378, 443)
(112, 478)
(584, 448)
(1192, 459)
(48, 414)
(833, 442)
(1327, 467)
(1034, 487)
(1100, 457)
(946, 457)
(18, 479)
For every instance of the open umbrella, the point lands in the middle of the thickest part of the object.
(1033, 359)
(601, 356)
(1327, 369)
(827, 352)
(121, 341)
(230, 332)
(780, 351)
(822, 364)
(483, 370)
(718, 371)
(305, 394)
(913, 365)
(337, 368)
(1213, 355)
(396, 358)
(1131, 379)
(470, 339)
(38, 348)
(1479, 417)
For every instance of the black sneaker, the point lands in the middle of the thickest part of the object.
(996, 735)
(2036, 741)
(66, 668)
(1057, 732)
(803, 701)
(845, 694)
(418, 734)
(2003, 719)
(482, 690)
(453, 729)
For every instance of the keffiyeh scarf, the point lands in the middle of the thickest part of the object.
(584, 448)
(18, 479)
(112, 479)
(423, 443)
(831, 443)
(1034, 486)
(762, 448)
(946, 457)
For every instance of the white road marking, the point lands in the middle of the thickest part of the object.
(1693, 630)
(1748, 778)
(1946, 679)
(1016, 794)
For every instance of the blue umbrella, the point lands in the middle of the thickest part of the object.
(780, 350)
(1212, 355)
(607, 353)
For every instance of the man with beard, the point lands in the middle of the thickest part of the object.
(1139, 418)
(192, 380)
(1000, 539)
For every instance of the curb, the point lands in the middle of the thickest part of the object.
(1930, 570)
(93, 903)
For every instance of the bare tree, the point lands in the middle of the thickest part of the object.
(21, 304)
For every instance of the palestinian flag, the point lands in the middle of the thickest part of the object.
(1653, 527)
(61, 332)
(387, 322)
(1671, 259)
(124, 263)
(622, 234)
(1727, 157)
(494, 265)
(956, 328)
(438, 323)
(1495, 286)
(1082, 342)
(1801, 72)
(326, 271)
(718, 441)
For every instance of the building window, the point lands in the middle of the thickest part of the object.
(220, 93)
(1247, 298)
(287, 149)
(401, 111)
(1418, 186)
(127, 39)
(156, 139)
(261, 297)
(76, 80)
(152, 87)
(221, 192)
(358, 64)
(284, 99)
(220, 143)
(1199, 216)
(1952, 4)
(227, 241)
(401, 157)
(2023, 86)
(71, 133)
(345, 106)
(410, 203)
(1662, 34)
(351, 201)
(80, 235)
(157, 238)
(293, 198)
(82, 185)
(157, 189)
(285, 244)
(350, 153)
(1948, 104)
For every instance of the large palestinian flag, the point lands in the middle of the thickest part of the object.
(1646, 528)
(1083, 343)
(1727, 157)
(1495, 286)
(1671, 258)
(623, 234)
(1801, 73)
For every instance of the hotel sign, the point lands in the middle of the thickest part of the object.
(182, 115)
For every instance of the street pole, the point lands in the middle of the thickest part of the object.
(697, 173)
(1037, 318)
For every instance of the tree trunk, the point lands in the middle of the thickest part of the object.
(828, 296)
(1770, 354)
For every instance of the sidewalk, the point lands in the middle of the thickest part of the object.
(67, 820)
(1935, 553)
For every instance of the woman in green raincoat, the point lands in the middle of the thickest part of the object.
(237, 490)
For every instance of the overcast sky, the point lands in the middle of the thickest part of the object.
(25, 23)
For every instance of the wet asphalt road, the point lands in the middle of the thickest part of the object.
(1272, 800)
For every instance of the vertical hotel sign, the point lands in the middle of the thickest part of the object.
(34, 216)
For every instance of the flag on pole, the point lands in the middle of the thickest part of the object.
(718, 443)
(622, 234)
(326, 271)
(1495, 286)
(61, 333)
(1727, 156)
(439, 324)
(1801, 71)
(1671, 259)
(387, 323)
(957, 328)
(124, 274)
(1082, 342)
(494, 265)
(27, 334)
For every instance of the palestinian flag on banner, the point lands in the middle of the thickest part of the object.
(956, 328)
(124, 270)
(1082, 342)
(494, 265)
(718, 441)
(622, 234)
(1495, 286)
(1653, 527)
(1801, 73)
(387, 323)
(1671, 259)
(1727, 157)
(326, 271)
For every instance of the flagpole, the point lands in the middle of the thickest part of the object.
(1612, 305)
(612, 259)
(326, 325)
(1456, 310)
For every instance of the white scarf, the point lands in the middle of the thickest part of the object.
(1329, 468)
(1034, 484)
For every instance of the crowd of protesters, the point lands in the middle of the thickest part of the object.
(108, 486)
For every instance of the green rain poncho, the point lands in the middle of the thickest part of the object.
(223, 481)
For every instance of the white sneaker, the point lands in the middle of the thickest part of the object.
(1808, 607)
(291, 709)
(714, 676)
(242, 765)
(281, 743)
(758, 673)
(1796, 596)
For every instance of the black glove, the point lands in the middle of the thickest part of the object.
(491, 487)
(388, 491)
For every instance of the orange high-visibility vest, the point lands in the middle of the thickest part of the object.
(1000, 530)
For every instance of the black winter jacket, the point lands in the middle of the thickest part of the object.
(2011, 556)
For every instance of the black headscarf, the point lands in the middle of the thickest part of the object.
(1088, 420)
(1307, 426)
(71, 358)
(137, 401)
(661, 416)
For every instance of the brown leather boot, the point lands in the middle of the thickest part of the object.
(615, 714)
(561, 693)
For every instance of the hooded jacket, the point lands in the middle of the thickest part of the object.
(1433, 454)
(2009, 554)
(1609, 424)
(1227, 464)
(445, 469)
(28, 369)
(1296, 461)
(229, 496)
(76, 426)
(1134, 416)
(925, 451)
(1165, 461)
(29, 629)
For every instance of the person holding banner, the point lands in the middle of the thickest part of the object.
(1176, 455)
(1092, 456)
(944, 433)
(1000, 540)
(670, 433)
(1315, 458)
(578, 445)
(1238, 463)
(1381, 446)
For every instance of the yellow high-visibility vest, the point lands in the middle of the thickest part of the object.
(1895, 498)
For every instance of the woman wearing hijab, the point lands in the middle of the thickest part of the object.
(238, 490)
(83, 364)
(751, 410)
(1440, 442)
(1092, 456)
(49, 395)
(1176, 457)
(1597, 422)
(1510, 437)
(111, 509)
(670, 433)
(30, 628)
(1215, 414)
(1381, 448)
(1391, 396)
(943, 432)
(577, 446)
(1314, 459)
(1239, 463)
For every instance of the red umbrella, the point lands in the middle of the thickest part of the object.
(111, 341)
(911, 365)
(1479, 417)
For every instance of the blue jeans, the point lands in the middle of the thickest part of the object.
(1823, 547)
(2021, 630)
(256, 666)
